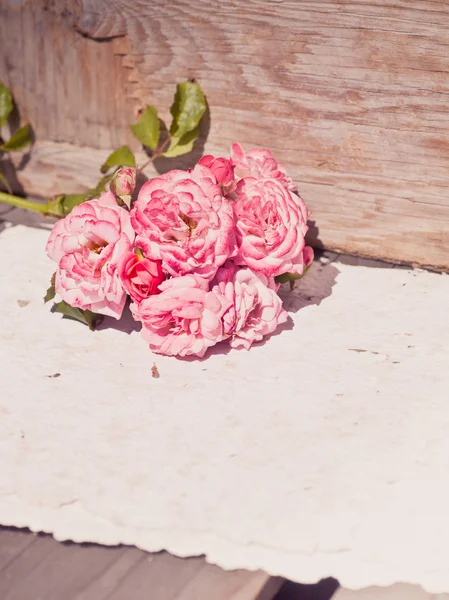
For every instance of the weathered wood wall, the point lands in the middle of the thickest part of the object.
(353, 95)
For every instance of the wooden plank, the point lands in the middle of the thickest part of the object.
(352, 95)
(54, 571)
(106, 583)
(172, 578)
(12, 544)
(163, 574)
(57, 167)
(39, 567)
(21, 570)
(54, 73)
(239, 586)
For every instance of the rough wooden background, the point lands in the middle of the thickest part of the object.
(353, 95)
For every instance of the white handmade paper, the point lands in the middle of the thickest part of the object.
(322, 452)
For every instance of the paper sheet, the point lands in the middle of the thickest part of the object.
(322, 452)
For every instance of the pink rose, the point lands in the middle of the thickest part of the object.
(271, 225)
(140, 276)
(87, 245)
(259, 163)
(184, 319)
(256, 309)
(223, 171)
(184, 220)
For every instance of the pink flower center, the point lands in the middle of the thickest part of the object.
(265, 220)
(191, 223)
(177, 221)
(96, 247)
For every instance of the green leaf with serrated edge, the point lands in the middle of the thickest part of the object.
(20, 140)
(6, 103)
(92, 320)
(178, 147)
(146, 130)
(187, 109)
(123, 157)
(5, 183)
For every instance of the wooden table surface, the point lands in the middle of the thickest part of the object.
(36, 567)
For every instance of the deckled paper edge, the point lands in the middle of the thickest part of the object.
(72, 523)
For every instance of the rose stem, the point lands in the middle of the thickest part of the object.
(23, 203)
(157, 154)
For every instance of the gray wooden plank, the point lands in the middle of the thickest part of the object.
(107, 582)
(48, 570)
(12, 543)
(212, 582)
(36, 567)
(23, 568)
(160, 576)
(166, 577)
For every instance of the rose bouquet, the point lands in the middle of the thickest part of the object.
(199, 254)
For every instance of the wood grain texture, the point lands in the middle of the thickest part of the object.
(70, 87)
(37, 567)
(352, 95)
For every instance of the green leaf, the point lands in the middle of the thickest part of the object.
(146, 129)
(286, 277)
(87, 317)
(51, 292)
(20, 140)
(187, 109)
(64, 204)
(6, 104)
(69, 201)
(182, 146)
(123, 157)
(291, 277)
(5, 183)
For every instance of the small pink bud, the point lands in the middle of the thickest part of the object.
(223, 171)
(124, 182)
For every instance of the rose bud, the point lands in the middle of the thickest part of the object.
(140, 276)
(222, 170)
(123, 184)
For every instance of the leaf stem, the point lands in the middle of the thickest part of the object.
(157, 153)
(38, 207)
